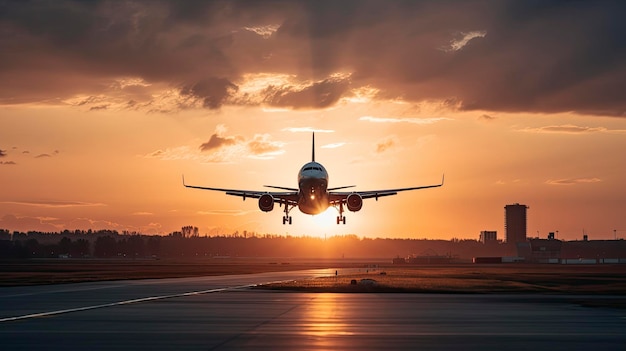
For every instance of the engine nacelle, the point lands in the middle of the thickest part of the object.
(266, 202)
(354, 202)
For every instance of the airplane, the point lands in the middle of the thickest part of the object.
(312, 195)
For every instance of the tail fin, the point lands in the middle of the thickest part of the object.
(313, 148)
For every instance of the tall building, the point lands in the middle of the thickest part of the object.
(515, 223)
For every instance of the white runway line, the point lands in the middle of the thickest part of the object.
(121, 303)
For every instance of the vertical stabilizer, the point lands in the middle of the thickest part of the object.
(313, 148)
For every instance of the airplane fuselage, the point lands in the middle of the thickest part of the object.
(313, 189)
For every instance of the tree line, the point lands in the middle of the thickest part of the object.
(187, 244)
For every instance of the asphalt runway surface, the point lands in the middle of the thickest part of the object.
(224, 313)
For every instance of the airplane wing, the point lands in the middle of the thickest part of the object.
(337, 197)
(289, 197)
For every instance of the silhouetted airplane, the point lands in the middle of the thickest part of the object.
(312, 195)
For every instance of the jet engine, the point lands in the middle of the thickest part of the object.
(354, 202)
(266, 202)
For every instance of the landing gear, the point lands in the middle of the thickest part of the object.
(287, 217)
(341, 218)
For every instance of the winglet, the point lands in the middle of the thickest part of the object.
(184, 180)
(442, 178)
(313, 148)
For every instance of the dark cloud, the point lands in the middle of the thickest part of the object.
(7, 163)
(217, 141)
(534, 55)
(211, 91)
(317, 95)
(3, 153)
(43, 156)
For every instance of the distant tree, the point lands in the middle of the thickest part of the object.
(136, 246)
(105, 246)
(80, 248)
(189, 231)
(65, 246)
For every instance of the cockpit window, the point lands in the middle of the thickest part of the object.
(310, 168)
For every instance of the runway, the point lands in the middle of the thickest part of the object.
(222, 313)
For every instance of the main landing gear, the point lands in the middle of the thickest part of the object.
(287, 217)
(341, 218)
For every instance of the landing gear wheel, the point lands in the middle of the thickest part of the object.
(341, 218)
(287, 219)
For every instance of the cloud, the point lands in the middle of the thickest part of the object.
(315, 95)
(261, 146)
(224, 149)
(332, 146)
(572, 129)
(511, 56)
(7, 163)
(463, 39)
(307, 130)
(212, 91)
(572, 181)
(217, 140)
(386, 144)
(3, 153)
(264, 31)
(54, 204)
(422, 121)
(24, 223)
(143, 213)
(235, 213)
(485, 117)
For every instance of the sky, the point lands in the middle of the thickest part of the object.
(104, 105)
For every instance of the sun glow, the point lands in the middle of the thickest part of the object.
(326, 220)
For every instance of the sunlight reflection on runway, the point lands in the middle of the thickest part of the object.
(324, 317)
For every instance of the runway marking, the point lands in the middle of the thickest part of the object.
(127, 302)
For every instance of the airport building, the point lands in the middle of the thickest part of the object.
(515, 223)
(488, 236)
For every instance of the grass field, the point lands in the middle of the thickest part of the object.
(513, 278)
